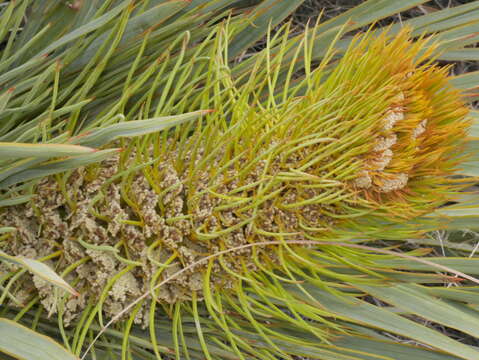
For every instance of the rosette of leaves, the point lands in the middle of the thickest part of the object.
(240, 233)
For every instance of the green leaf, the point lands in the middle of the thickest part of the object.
(415, 300)
(87, 28)
(136, 26)
(54, 167)
(369, 12)
(102, 136)
(22, 343)
(474, 129)
(455, 27)
(467, 81)
(5, 97)
(11, 150)
(466, 265)
(447, 18)
(381, 318)
(15, 200)
(462, 294)
(268, 13)
(459, 216)
(40, 269)
(466, 54)
(7, 229)
(469, 168)
(22, 69)
(17, 166)
(382, 349)
(460, 210)
(6, 19)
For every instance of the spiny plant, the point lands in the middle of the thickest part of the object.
(245, 226)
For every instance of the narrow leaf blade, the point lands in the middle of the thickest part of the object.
(40, 269)
(22, 343)
(11, 150)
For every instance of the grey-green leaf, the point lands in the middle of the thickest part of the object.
(102, 136)
(54, 167)
(381, 318)
(22, 343)
(13, 150)
(40, 269)
(414, 299)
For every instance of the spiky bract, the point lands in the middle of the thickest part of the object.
(352, 149)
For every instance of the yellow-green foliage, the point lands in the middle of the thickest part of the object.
(354, 148)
